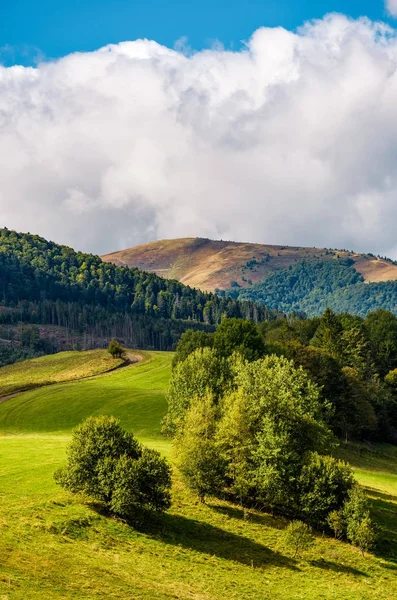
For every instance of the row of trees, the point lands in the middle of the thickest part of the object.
(352, 360)
(106, 463)
(247, 426)
(255, 426)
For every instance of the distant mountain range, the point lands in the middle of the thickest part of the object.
(283, 277)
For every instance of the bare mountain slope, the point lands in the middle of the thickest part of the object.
(209, 264)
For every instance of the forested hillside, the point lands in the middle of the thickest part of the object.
(312, 286)
(282, 277)
(43, 283)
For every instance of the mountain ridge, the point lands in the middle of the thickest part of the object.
(220, 265)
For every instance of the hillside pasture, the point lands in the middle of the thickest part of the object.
(135, 394)
(58, 546)
(55, 368)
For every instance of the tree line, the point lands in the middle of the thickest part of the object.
(49, 284)
(353, 362)
(255, 426)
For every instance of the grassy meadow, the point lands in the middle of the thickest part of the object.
(57, 546)
(55, 368)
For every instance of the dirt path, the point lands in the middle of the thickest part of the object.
(131, 359)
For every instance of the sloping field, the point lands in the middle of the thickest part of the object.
(135, 394)
(210, 264)
(56, 546)
(55, 368)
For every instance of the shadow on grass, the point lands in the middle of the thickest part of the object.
(385, 515)
(213, 541)
(274, 521)
(204, 538)
(336, 567)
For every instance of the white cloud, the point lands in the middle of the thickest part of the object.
(292, 140)
(391, 6)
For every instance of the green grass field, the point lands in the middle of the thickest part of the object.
(55, 368)
(57, 546)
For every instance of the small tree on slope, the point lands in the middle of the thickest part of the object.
(107, 463)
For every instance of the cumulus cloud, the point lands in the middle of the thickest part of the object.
(391, 6)
(292, 140)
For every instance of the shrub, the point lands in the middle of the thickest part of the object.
(362, 534)
(142, 483)
(115, 349)
(359, 527)
(324, 486)
(107, 463)
(336, 523)
(298, 536)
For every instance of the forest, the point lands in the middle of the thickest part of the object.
(312, 286)
(43, 283)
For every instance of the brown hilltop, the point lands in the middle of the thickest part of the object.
(210, 264)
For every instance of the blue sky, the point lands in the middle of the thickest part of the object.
(33, 30)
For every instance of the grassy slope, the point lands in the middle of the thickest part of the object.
(208, 264)
(135, 394)
(53, 546)
(55, 368)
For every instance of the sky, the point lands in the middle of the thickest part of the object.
(271, 122)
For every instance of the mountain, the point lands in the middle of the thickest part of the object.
(284, 278)
(89, 301)
(217, 264)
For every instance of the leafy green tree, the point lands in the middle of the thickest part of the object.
(358, 417)
(360, 529)
(198, 457)
(268, 426)
(356, 351)
(142, 483)
(363, 534)
(107, 463)
(336, 522)
(328, 334)
(298, 537)
(202, 372)
(235, 436)
(381, 326)
(115, 349)
(324, 370)
(189, 342)
(324, 485)
(239, 335)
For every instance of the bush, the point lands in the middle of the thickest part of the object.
(116, 350)
(108, 464)
(324, 486)
(298, 537)
(362, 534)
(359, 527)
(336, 523)
(143, 483)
